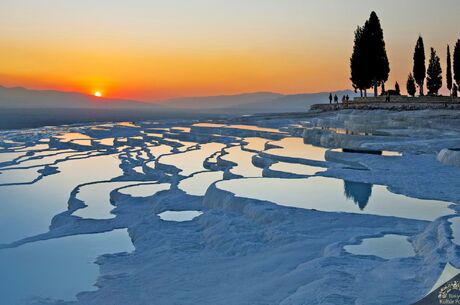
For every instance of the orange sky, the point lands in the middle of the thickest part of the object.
(159, 49)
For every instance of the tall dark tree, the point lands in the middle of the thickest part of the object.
(457, 63)
(454, 90)
(410, 86)
(355, 66)
(397, 89)
(369, 62)
(449, 71)
(419, 69)
(379, 66)
(434, 74)
(359, 69)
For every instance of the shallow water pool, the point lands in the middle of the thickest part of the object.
(293, 147)
(243, 160)
(56, 268)
(144, 190)
(97, 198)
(179, 216)
(192, 161)
(199, 183)
(298, 169)
(27, 210)
(388, 246)
(335, 195)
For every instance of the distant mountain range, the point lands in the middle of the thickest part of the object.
(19, 97)
(274, 102)
(246, 103)
(222, 101)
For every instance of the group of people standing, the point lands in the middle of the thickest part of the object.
(345, 98)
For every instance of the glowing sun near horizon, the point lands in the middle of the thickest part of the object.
(97, 93)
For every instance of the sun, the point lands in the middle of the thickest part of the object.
(98, 94)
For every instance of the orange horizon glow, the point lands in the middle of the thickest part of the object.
(162, 76)
(154, 50)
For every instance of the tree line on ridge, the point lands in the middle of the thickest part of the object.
(370, 67)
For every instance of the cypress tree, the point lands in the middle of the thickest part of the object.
(378, 64)
(454, 90)
(397, 89)
(449, 71)
(419, 64)
(457, 63)
(355, 62)
(410, 86)
(359, 69)
(434, 72)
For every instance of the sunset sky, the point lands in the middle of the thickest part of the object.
(150, 49)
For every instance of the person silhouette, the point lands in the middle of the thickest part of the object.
(387, 97)
(336, 99)
(347, 98)
(330, 98)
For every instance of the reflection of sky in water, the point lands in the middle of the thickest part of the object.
(144, 190)
(199, 183)
(97, 199)
(57, 268)
(156, 129)
(11, 142)
(296, 148)
(82, 142)
(106, 141)
(27, 209)
(35, 147)
(254, 128)
(239, 126)
(159, 150)
(295, 168)
(388, 246)
(179, 216)
(327, 194)
(255, 143)
(184, 144)
(388, 153)
(180, 129)
(209, 125)
(52, 152)
(243, 159)
(153, 135)
(19, 175)
(9, 156)
(47, 158)
(192, 161)
(71, 136)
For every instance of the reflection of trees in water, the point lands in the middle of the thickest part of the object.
(359, 192)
